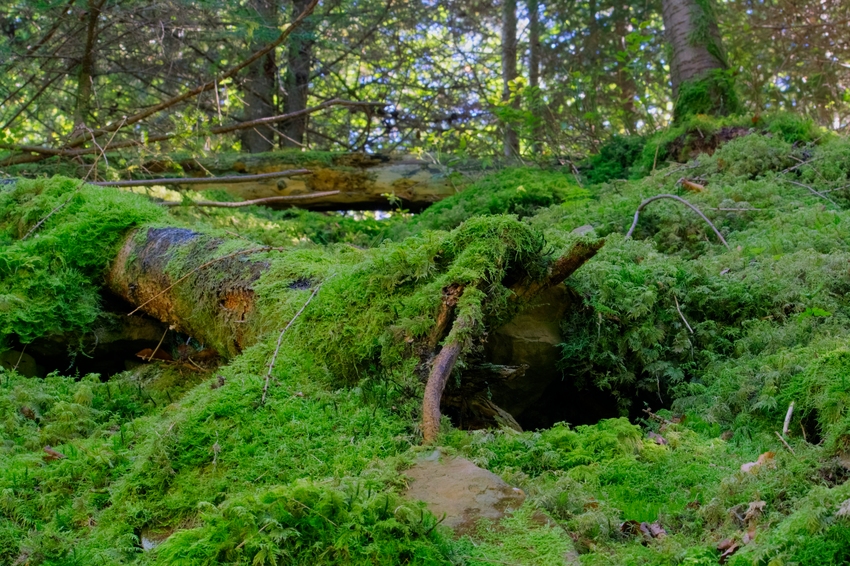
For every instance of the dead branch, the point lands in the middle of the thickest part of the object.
(812, 190)
(442, 368)
(280, 339)
(560, 269)
(678, 199)
(71, 196)
(203, 180)
(681, 315)
(209, 85)
(784, 442)
(256, 201)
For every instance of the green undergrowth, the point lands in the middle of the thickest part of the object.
(671, 320)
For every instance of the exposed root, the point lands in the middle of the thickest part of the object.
(444, 363)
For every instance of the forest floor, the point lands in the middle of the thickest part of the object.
(665, 441)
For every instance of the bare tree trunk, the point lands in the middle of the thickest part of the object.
(534, 71)
(259, 83)
(625, 80)
(509, 70)
(298, 78)
(82, 105)
(697, 54)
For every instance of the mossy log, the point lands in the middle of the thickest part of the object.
(212, 297)
(364, 181)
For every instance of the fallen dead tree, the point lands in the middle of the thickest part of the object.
(406, 312)
(224, 297)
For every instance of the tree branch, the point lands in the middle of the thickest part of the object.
(683, 201)
(203, 180)
(267, 200)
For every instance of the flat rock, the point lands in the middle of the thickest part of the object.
(461, 490)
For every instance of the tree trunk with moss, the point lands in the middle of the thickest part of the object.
(698, 67)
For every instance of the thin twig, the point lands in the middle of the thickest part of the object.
(266, 200)
(204, 266)
(812, 189)
(683, 201)
(280, 339)
(231, 179)
(70, 196)
(21, 357)
(681, 315)
(787, 422)
(155, 350)
(788, 446)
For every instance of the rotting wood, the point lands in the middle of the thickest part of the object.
(180, 181)
(292, 199)
(444, 363)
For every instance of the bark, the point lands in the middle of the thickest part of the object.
(298, 79)
(694, 40)
(82, 105)
(509, 71)
(534, 72)
(625, 80)
(259, 84)
(362, 181)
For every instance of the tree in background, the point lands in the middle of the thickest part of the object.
(698, 66)
(260, 83)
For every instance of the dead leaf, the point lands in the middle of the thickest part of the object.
(730, 548)
(693, 187)
(52, 454)
(843, 509)
(752, 467)
(218, 382)
(27, 413)
(750, 535)
(656, 530)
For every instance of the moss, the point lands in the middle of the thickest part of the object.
(614, 160)
(713, 94)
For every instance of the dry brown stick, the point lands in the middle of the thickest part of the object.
(442, 368)
(203, 180)
(683, 201)
(280, 339)
(21, 357)
(788, 446)
(204, 266)
(155, 350)
(256, 201)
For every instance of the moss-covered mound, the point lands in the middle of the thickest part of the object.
(714, 342)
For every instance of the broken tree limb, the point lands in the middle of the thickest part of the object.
(562, 268)
(259, 201)
(231, 179)
(678, 199)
